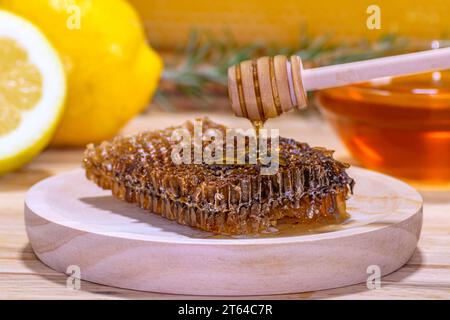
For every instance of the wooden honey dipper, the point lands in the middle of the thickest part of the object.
(266, 87)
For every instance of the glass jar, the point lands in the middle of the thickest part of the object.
(400, 126)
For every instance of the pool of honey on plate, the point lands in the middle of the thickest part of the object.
(290, 227)
(400, 126)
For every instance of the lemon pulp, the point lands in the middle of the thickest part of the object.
(20, 84)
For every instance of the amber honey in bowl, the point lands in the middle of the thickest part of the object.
(400, 126)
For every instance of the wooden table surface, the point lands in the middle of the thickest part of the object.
(22, 276)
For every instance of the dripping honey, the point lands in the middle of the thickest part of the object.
(400, 126)
(257, 126)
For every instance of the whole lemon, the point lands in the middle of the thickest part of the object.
(111, 71)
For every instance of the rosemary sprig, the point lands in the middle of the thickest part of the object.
(199, 69)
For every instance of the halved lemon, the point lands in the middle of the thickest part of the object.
(32, 91)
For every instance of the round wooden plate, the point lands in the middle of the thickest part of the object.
(70, 221)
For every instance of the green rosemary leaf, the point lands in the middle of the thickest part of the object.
(199, 69)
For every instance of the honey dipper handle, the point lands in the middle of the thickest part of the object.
(343, 74)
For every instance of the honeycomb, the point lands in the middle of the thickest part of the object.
(309, 185)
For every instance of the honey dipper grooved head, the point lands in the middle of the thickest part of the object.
(266, 87)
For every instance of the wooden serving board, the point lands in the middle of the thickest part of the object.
(70, 221)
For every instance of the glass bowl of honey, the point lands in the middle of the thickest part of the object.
(400, 126)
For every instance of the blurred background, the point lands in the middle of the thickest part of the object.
(168, 23)
(157, 58)
(322, 32)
